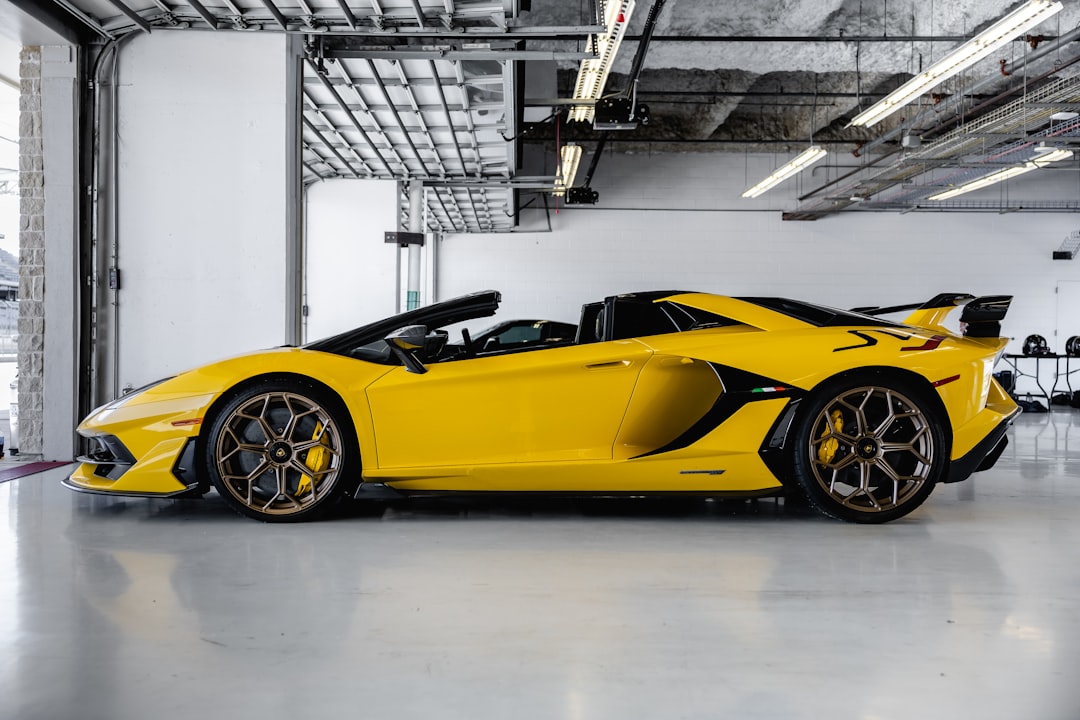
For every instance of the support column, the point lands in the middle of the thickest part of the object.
(31, 253)
(416, 225)
(294, 206)
(48, 208)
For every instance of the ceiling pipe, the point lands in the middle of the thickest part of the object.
(597, 152)
(632, 80)
(990, 79)
(942, 126)
(809, 38)
(1002, 95)
(643, 46)
(793, 142)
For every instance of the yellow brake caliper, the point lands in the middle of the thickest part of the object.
(827, 450)
(318, 458)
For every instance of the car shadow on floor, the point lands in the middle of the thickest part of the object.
(211, 509)
(615, 508)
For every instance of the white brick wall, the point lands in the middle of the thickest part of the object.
(32, 254)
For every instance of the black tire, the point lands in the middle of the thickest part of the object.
(282, 451)
(868, 447)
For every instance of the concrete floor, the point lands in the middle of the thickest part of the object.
(121, 608)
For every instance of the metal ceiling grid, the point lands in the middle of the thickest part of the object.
(1001, 137)
(398, 111)
(415, 118)
(425, 90)
(110, 18)
(405, 119)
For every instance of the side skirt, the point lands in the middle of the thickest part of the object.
(384, 493)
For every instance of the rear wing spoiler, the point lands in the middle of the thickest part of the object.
(982, 316)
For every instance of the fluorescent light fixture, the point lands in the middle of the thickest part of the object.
(569, 158)
(997, 35)
(1001, 175)
(593, 74)
(805, 159)
(1065, 115)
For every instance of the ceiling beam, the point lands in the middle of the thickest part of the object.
(407, 52)
(419, 12)
(446, 115)
(396, 115)
(349, 17)
(74, 10)
(205, 14)
(331, 128)
(330, 147)
(131, 15)
(278, 17)
(568, 32)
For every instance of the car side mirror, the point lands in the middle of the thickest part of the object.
(404, 342)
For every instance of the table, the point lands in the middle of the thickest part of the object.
(1062, 372)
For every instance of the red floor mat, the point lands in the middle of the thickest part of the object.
(17, 471)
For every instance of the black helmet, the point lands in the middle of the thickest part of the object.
(1072, 346)
(1036, 345)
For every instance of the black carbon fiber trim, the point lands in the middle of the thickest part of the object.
(773, 448)
(869, 341)
(185, 469)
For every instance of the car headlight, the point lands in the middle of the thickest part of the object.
(127, 396)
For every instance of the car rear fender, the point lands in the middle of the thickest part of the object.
(920, 385)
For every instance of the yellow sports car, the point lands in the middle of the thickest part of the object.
(659, 393)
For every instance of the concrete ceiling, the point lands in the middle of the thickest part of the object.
(716, 76)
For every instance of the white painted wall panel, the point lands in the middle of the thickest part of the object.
(350, 269)
(203, 192)
(686, 227)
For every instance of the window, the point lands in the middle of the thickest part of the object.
(521, 334)
(636, 318)
(690, 318)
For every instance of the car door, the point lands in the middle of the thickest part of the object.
(556, 404)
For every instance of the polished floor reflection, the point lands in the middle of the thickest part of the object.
(118, 608)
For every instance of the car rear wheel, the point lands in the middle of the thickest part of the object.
(869, 449)
(280, 452)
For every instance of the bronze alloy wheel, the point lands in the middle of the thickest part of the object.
(872, 449)
(276, 454)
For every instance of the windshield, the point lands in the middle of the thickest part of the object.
(366, 342)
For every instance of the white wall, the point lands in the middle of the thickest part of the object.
(676, 221)
(685, 227)
(204, 172)
(60, 131)
(203, 227)
(350, 277)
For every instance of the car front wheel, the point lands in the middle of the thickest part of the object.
(279, 452)
(869, 449)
